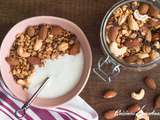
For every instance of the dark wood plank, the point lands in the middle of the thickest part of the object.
(88, 14)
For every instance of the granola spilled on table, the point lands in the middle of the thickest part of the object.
(35, 45)
(129, 27)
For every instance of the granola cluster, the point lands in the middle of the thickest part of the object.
(133, 33)
(35, 45)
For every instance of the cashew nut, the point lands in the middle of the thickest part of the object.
(143, 55)
(141, 115)
(117, 51)
(138, 96)
(22, 53)
(140, 17)
(38, 44)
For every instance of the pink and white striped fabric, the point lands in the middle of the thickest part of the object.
(76, 109)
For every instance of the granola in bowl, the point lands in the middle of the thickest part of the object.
(37, 44)
(133, 32)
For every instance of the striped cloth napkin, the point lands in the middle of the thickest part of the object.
(75, 109)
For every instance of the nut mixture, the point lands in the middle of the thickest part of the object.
(129, 28)
(35, 45)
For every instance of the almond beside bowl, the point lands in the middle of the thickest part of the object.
(18, 91)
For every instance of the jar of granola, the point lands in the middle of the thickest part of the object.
(130, 37)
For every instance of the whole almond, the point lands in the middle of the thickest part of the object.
(57, 30)
(148, 36)
(113, 33)
(134, 108)
(153, 22)
(155, 37)
(75, 49)
(157, 103)
(143, 8)
(154, 12)
(43, 32)
(12, 61)
(144, 29)
(109, 115)
(30, 31)
(34, 60)
(110, 94)
(131, 59)
(132, 43)
(150, 83)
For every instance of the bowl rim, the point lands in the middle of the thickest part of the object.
(89, 57)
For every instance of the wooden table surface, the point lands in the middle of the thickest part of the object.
(87, 14)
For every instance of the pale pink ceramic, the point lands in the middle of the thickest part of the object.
(5, 68)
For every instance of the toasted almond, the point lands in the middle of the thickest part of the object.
(57, 30)
(144, 29)
(132, 43)
(30, 31)
(134, 108)
(131, 59)
(153, 22)
(34, 60)
(157, 103)
(110, 94)
(113, 33)
(154, 12)
(148, 36)
(143, 8)
(109, 115)
(150, 83)
(43, 32)
(156, 37)
(75, 49)
(12, 61)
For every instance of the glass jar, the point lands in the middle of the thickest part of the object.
(109, 58)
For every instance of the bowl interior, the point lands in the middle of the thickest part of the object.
(5, 68)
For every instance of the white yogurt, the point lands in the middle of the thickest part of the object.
(64, 73)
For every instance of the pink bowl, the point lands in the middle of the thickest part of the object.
(5, 68)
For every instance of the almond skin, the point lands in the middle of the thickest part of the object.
(30, 31)
(132, 43)
(12, 61)
(131, 59)
(154, 12)
(150, 83)
(110, 94)
(157, 103)
(43, 32)
(153, 22)
(34, 60)
(113, 33)
(143, 9)
(109, 115)
(57, 30)
(75, 49)
(134, 108)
